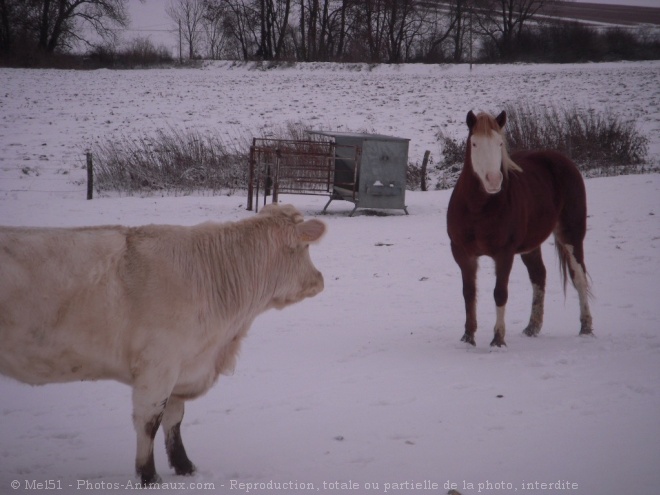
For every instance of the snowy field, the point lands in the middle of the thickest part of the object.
(366, 386)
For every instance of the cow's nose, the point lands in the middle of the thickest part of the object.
(318, 285)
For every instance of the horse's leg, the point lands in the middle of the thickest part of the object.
(573, 256)
(536, 269)
(581, 282)
(503, 264)
(176, 453)
(468, 266)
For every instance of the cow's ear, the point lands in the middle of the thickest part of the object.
(310, 230)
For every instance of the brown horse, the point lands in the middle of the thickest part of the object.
(502, 206)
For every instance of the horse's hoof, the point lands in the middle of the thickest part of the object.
(587, 333)
(469, 339)
(532, 331)
(498, 341)
(585, 327)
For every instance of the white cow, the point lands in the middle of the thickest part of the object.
(161, 308)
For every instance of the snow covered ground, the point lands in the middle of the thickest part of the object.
(368, 382)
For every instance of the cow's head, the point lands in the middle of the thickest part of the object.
(296, 275)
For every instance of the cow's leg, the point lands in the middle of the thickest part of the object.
(147, 421)
(536, 269)
(151, 392)
(468, 266)
(503, 264)
(176, 453)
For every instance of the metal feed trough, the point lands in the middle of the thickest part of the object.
(368, 170)
(380, 171)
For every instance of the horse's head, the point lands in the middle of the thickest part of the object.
(487, 150)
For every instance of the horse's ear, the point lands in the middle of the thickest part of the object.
(501, 119)
(471, 119)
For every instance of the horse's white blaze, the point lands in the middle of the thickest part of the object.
(486, 153)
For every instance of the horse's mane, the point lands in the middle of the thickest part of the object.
(484, 125)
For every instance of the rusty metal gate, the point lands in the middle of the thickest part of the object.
(280, 166)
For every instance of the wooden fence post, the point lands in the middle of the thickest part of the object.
(90, 177)
(250, 190)
(425, 163)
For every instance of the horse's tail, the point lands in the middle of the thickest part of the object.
(562, 256)
(566, 256)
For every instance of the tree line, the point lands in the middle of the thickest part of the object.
(395, 31)
(373, 31)
(390, 31)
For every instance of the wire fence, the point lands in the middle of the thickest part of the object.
(31, 179)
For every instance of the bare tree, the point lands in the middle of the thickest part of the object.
(55, 24)
(449, 22)
(323, 28)
(342, 27)
(313, 28)
(461, 18)
(188, 15)
(403, 25)
(503, 20)
(240, 21)
(389, 28)
(13, 15)
(259, 27)
(213, 23)
(374, 28)
(274, 22)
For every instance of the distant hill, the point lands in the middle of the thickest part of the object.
(605, 13)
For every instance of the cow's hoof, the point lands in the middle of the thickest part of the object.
(469, 339)
(150, 480)
(186, 469)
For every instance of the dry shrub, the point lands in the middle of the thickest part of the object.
(594, 140)
(179, 162)
(453, 154)
(171, 160)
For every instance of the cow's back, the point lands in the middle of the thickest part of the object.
(60, 303)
